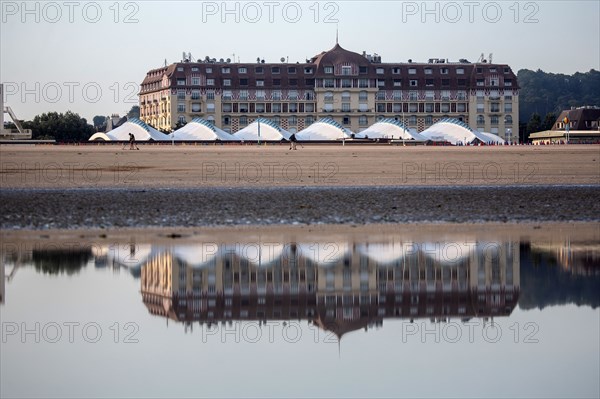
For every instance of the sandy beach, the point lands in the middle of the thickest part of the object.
(192, 166)
(104, 187)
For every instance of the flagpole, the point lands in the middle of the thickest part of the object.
(258, 120)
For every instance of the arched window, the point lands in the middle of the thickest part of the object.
(508, 119)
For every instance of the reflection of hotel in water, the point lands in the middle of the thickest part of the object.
(341, 287)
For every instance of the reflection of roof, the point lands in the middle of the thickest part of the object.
(269, 130)
(201, 129)
(140, 130)
(455, 131)
(390, 128)
(324, 129)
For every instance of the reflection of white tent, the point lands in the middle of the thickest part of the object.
(197, 255)
(387, 253)
(448, 253)
(130, 255)
(260, 254)
(269, 131)
(389, 129)
(324, 129)
(140, 130)
(199, 129)
(324, 253)
(454, 132)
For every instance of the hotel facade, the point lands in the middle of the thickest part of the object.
(355, 90)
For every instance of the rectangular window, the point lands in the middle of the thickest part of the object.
(276, 107)
(328, 69)
(460, 71)
(293, 82)
(397, 82)
(508, 82)
(461, 107)
(195, 81)
(379, 71)
(428, 107)
(243, 107)
(210, 107)
(346, 70)
(181, 107)
(226, 107)
(397, 95)
(210, 82)
(308, 71)
(380, 82)
(328, 83)
(480, 82)
(195, 94)
(181, 94)
(226, 95)
(413, 107)
(260, 94)
(445, 107)
(396, 71)
(413, 83)
(276, 94)
(210, 95)
(226, 82)
(445, 94)
(195, 107)
(292, 95)
(412, 71)
(412, 95)
(345, 107)
(444, 71)
(507, 107)
(181, 82)
(363, 82)
(428, 82)
(225, 70)
(260, 107)
(259, 70)
(242, 70)
(180, 69)
(363, 120)
(260, 83)
(244, 82)
(275, 70)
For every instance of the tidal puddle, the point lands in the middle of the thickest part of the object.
(417, 310)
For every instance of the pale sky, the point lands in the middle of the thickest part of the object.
(89, 57)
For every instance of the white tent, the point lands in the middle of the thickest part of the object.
(324, 129)
(140, 130)
(199, 129)
(454, 132)
(389, 128)
(493, 138)
(269, 131)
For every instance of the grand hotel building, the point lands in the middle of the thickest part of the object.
(356, 90)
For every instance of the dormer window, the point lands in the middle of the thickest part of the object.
(328, 69)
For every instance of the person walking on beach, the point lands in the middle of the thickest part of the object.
(293, 141)
(132, 142)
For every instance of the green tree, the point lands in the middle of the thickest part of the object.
(99, 121)
(549, 120)
(67, 127)
(534, 124)
(134, 112)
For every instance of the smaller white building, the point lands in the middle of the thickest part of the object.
(199, 129)
(264, 130)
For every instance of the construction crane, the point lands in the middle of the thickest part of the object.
(20, 133)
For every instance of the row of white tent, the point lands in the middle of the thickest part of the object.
(448, 130)
(324, 254)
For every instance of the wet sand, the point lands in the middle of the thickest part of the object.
(189, 186)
